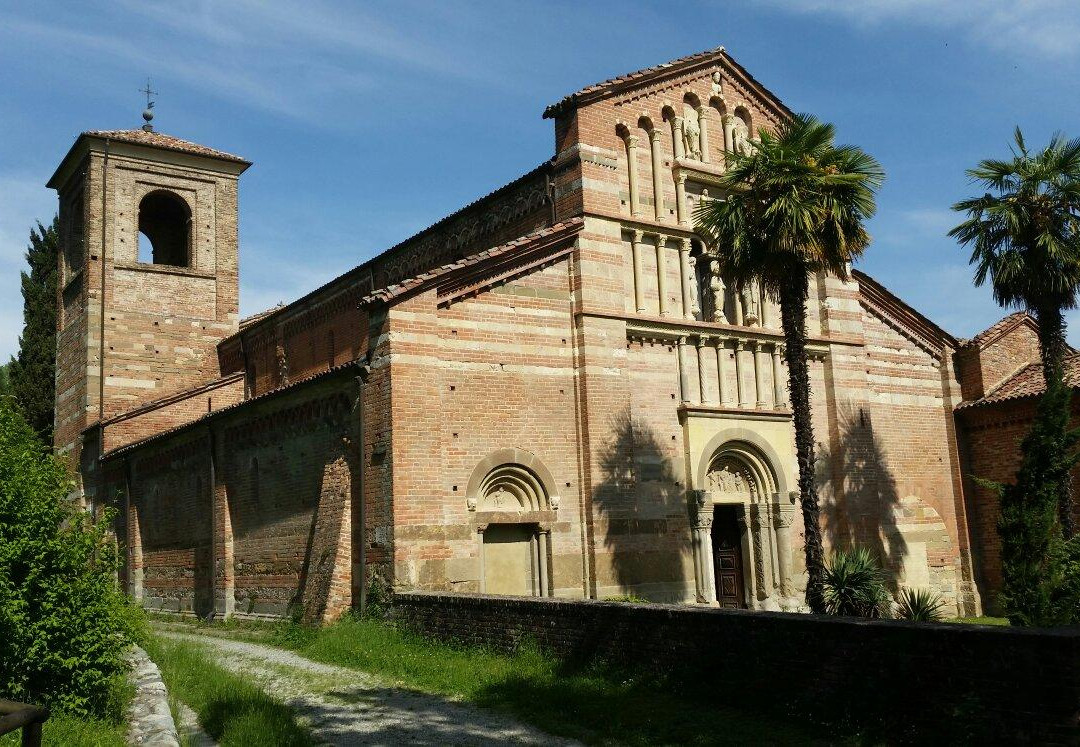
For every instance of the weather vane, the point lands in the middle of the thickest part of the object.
(148, 113)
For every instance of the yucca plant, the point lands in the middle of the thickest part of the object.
(919, 605)
(854, 585)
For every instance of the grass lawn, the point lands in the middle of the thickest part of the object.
(231, 710)
(68, 731)
(589, 704)
(1004, 621)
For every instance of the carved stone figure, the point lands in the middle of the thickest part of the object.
(751, 313)
(740, 138)
(727, 479)
(691, 135)
(716, 289)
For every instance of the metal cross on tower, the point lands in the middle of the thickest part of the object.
(148, 113)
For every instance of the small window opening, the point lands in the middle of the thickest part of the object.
(164, 230)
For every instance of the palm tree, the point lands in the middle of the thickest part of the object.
(796, 205)
(1025, 236)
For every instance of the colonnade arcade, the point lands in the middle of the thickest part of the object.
(738, 483)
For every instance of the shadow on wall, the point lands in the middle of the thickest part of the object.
(645, 512)
(860, 498)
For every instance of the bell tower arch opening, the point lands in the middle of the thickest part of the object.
(164, 229)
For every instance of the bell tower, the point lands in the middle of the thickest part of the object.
(147, 277)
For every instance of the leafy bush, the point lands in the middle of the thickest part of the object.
(1031, 543)
(919, 605)
(1069, 593)
(64, 622)
(628, 598)
(855, 585)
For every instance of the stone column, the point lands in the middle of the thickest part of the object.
(657, 182)
(729, 126)
(721, 370)
(750, 572)
(701, 544)
(680, 199)
(761, 580)
(782, 519)
(703, 128)
(661, 273)
(702, 341)
(760, 362)
(779, 401)
(684, 373)
(737, 299)
(744, 395)
(677, 136)
(482, 581)
(684, 278)
(632, 170)
(639, 275)
(542, 537)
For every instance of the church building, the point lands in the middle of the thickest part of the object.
(551, 392)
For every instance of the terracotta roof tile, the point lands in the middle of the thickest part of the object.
(391, 292)
(161, 140)
(1027, 382)
(997, 329)
(611, 83)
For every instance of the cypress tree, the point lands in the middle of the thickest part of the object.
(33, 371)
(1031, 540)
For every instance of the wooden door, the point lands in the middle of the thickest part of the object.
(727, 557)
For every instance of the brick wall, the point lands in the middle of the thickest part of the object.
(268, 530)
(911, 681)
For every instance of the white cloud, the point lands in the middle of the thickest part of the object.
(1046, 28)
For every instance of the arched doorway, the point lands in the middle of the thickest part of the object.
(514, 508)
(742, 546)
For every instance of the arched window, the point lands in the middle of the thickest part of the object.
(164, 230)
(73, 247)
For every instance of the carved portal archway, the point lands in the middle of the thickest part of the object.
(513, 503)
(739, 475)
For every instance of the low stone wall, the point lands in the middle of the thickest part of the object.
(906, 681)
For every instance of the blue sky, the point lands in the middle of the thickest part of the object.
(369, 121)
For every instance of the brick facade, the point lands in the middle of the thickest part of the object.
(549, 391)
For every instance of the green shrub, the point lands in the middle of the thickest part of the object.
(1069, 593)
(64, 623)
(919, 605)
(855, 585)
(628, 598)
(1031, 542)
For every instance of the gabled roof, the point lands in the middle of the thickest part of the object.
(161, 140)
(563, 229)
(906, 319)
(1027, 382)
(1002, 327)
(674, 67)
(151, 139)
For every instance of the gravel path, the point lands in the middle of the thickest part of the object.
(344, 707)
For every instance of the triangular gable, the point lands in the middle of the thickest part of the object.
(682, 66)
(896, 313)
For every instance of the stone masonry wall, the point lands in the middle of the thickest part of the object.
(908, 681)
